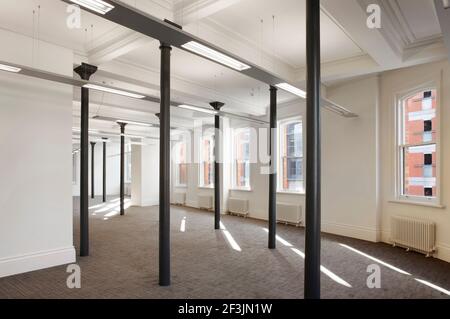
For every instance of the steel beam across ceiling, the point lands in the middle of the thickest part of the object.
(167, 33)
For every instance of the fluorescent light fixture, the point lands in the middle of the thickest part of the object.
(197, 109)
(114, 91)
(217, 56)
(99, 6)
(134, 123)
(8, 68)
(291, 89)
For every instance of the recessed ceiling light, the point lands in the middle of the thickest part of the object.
(99, 6)
(197, 109)
(217, 56)
(9, 68)
(292, 89)
(114, 91)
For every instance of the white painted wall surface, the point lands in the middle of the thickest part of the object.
(145, 175)
(350, 178)
(36, 142)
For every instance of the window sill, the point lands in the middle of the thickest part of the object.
(290, 193)
(205, 187)
(417, 203)
(241, 190)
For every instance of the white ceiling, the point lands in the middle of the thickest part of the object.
(420, 17)
(348, 48)
(285, 35)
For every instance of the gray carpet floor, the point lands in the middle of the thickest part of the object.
(208, 264)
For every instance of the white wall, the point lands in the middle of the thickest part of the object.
(393, 83)
(145, 175)
(350, 176)
(112, 170)
(36, 157)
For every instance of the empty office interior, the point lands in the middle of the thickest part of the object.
(159, 149)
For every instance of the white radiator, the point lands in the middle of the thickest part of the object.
(415, 234)
(205, 202)
(238, 206)
(178, 198)
(289, 213)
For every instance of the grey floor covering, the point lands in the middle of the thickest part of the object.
(124, 262)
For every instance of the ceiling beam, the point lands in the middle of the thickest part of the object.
(444, 20)
(199, 10)
(351, 16)
(169, 34)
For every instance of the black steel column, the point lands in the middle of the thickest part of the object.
(122, 168)
(273, 169)
(164, 169)
(313, 158)
(84, 71)
(104, 169)
(92, 169)
(217, 146)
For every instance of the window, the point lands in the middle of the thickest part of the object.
(241, 158)
(290, 170)
(417, 145)
(127, 163)
(207, 161)
(181, 164)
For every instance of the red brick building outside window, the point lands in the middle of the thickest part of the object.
(418, 144)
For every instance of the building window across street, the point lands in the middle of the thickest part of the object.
(417, 145)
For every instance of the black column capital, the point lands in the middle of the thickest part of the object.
(105, 139)
(273, 88)
(93, 144)
(165, 46)
(217, 105)
(158, 115)
(85, 71)
(122, 126)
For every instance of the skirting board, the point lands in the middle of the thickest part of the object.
(36, 261)
(149, 202)
(191, 203)
(358, 232)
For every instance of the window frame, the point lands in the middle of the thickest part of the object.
(234, 185)
(203, 136)
(128, 160)
(74, 168)
(282, 123)
(400, 146)
(178, 162)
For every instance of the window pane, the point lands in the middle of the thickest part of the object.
(291, 150)
(207, 158)
(419, 118)
(182, 174)
(242, 158)
(417, 175)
